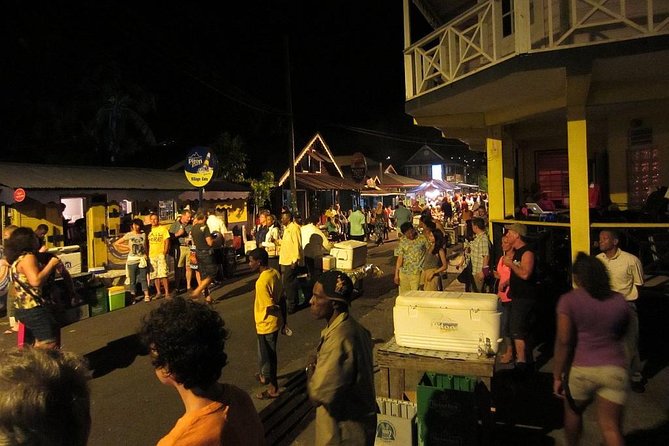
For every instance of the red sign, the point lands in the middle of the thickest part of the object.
(19, 195)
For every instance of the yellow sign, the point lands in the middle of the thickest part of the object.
(200, 166)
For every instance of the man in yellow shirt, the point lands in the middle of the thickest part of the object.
(159, 245)
(290, 256)
(267, 315)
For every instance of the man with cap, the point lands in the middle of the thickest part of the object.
(341, 378)
(522, 289)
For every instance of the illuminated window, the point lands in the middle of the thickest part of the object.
(437, 173)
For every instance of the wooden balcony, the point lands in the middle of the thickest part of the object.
(487, 35)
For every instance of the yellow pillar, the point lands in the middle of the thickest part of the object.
(496, 181)
(577, 151)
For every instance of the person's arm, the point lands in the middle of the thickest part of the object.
(524, 268)
(563, 345)
(29, 267)
(121, 244)
(398, 265)
(166, 243)
(637, 272)
(334, 369)
(444, 263)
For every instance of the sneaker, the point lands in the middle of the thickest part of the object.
(286, 331)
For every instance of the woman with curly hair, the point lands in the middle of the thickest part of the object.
(28, 277)
(186, 341)
(591, 322)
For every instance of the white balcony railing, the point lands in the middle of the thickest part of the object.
(477, 40)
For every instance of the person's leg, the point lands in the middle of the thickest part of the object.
(631, 342)
(157, 284)
(141, 278)
(166, 285)
(573, 425)
(289, 282)
(189, 277)
(132, 269)
(263, 359)
(272, 379)
(414, 281)
(610, 420)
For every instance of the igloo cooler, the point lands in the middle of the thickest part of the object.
(350, 254)
(448, 321)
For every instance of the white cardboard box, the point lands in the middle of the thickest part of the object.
(447, 320)
(72, 261)
(349, 254)
(395, 423)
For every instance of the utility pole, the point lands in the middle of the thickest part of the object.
(291, 143)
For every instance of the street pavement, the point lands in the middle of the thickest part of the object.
(130, 407)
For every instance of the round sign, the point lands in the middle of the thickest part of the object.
(358, 166)
(200, 166)
(19, 195)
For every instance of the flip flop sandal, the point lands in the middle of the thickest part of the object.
(265, 395)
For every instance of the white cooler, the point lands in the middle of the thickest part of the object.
(449, 321)
(349, 254)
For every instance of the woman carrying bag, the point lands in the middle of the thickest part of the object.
(28, 276)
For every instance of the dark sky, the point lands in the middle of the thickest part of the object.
(195, 71)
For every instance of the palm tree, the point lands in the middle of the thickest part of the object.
(112, 124)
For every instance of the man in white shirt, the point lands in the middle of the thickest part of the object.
(626, 274)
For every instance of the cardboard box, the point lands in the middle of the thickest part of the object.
(329, 263)
(98, 301)
(395, 425)
(116, 297)
(350, 254)
(71, 261)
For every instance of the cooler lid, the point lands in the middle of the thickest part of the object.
(456, 300)
(350, 244)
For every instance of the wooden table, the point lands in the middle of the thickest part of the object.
(395, 362)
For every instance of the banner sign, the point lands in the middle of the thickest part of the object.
(200, 166)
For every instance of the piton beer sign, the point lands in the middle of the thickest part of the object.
(200, 166)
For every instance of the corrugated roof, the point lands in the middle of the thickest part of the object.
(42, 176)
(319, 181)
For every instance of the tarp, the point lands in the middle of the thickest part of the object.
(439, 185)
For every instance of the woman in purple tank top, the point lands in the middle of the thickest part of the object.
(591, 322)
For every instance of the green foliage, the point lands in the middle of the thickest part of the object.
(262, 188)
(232, 157)
(483, 183)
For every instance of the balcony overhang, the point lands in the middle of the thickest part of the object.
(533, 84)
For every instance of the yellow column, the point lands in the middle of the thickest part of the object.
(577, 150)
(496, 182)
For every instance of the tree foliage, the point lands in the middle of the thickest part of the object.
(262, 188)
(231, 154)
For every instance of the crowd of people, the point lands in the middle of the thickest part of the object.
(596, 350)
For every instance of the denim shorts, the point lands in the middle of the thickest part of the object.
(41, 323)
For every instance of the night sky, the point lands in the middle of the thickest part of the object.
(192, 72)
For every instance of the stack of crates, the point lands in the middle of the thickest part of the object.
(447, 410)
